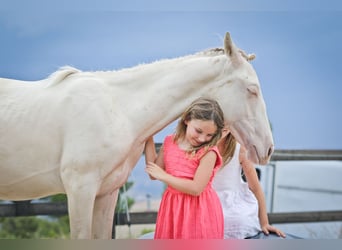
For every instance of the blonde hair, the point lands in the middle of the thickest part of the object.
(205, 109)
(228, 148)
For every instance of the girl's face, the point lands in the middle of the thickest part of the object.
(199, 132)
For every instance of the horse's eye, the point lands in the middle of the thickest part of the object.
(253, 89)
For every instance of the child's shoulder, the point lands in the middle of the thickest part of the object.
(209, 148)
(213, 149)
(168, 142)
(169, 137)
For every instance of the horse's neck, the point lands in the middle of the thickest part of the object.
(156, 94)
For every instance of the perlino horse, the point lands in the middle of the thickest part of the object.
(81, 133)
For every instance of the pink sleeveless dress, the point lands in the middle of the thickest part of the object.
(184, 216)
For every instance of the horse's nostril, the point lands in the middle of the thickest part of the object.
(270, 151)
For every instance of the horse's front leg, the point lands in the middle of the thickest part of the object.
(81, 193)
(103, 215)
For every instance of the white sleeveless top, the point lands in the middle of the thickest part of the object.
(240, 207)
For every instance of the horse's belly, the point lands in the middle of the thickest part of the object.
(26, 187)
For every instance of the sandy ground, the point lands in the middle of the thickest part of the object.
(134, 231)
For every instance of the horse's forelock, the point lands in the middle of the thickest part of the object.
(248, 57)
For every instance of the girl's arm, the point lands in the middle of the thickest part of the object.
(255, 187)
(152, 156)
(188, 186)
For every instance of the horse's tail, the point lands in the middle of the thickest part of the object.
(60, 75)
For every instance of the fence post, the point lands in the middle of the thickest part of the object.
(274, 183)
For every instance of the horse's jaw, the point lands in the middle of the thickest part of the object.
(249, 136)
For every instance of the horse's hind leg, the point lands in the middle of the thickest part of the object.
(104, 214)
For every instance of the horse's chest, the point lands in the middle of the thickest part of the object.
(120, 172)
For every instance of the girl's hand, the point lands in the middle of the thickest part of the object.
(154, 171)
(268, 228)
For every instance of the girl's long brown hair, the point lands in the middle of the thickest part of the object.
(228, 148)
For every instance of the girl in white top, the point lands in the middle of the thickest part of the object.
(243, 204)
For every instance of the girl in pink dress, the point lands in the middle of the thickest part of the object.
(187, 163)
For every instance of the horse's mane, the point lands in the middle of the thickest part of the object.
(211, 52)
(220, 51)
(65, 71)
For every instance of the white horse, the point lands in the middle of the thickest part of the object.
(81, 133)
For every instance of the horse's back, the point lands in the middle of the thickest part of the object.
(38, 121)
(62, 121)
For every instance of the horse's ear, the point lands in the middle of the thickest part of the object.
(231, 50)
(228, 44)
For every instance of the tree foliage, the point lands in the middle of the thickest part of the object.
(124, 202)
(32, 227)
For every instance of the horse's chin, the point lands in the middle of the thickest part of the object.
(252, 155)
(242, 131)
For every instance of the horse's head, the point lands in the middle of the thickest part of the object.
(243, 104)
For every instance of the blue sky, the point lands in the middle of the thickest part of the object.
(298, 49)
